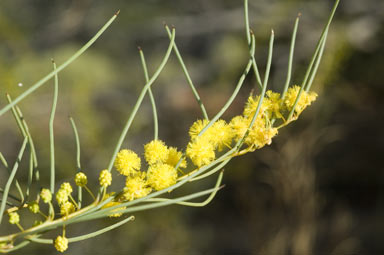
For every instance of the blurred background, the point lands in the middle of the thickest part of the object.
(318, 189)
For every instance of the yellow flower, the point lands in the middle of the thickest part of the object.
(61, 243)
(34, 207)
(174, 157)
(260, 136)
(67, 187)
(46, 195)
(136, 187)
(239, 125)
(201, 151)
(81, 179)
(155, 152)
(196, 128)
(14, 218)
(273, 105)
(62, 196)
(260, 133)
(220, 134)
(67, 208)
(251, 106)
(116, 211)
(127, 162)
(161, 176)
(105, 178)
(306, 98)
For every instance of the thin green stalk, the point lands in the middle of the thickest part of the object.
(155, 120)
(11, 177)
(214, 170)
(87, 215)
(318, 60)
(30, 176)
(315, 55)
(24, 129)
(248, 33)
(78, 163)
(140, 100)
(16, 247)
(188, 77)
(5, 163)
(105, 212)
(9, 203)
(60, 68)
(264, 89)
(290, 58)
(77, 140)
(235, 92)
(194, 204)
(31, 143)
(51, 132)
(11, 196)
(86, 236)
(246, 18)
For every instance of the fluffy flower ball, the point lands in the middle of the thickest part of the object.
(136, 187)
(161, 176)
(14, 218)
(201, 151)
(155, 152)
(46, 195)
(61, 243)
(127, 162)
(81, 179)
(105, 178)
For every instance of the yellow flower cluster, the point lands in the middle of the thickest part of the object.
(136, 187)
(46, 195)
(81, 179)
(63, 193)
(201, 148)
(61, 243)
(14, 218)
(306, 98)
(161, 174)
(105, 178)
(127, 162)
(34, 207)
(67, 208)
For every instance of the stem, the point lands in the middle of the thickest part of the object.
(188, 77)
(78, 164)
(139, 101)
(11, 177)
(290, 58)
(51, 133)
(155, 120)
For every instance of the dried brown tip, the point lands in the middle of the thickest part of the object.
(299, 15)
(117, 13)
(165, 24)
(139, 48)
(52, 60)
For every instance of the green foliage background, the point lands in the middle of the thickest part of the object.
(316, 190)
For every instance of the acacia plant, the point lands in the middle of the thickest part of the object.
(213, 143)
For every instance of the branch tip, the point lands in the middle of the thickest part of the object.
(117, 13)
